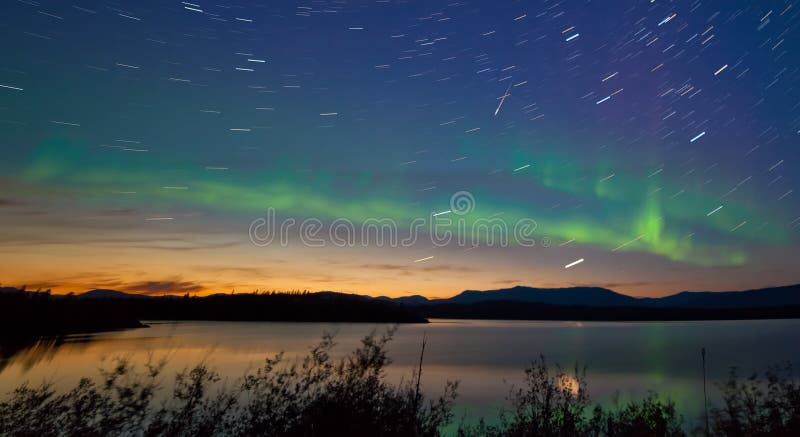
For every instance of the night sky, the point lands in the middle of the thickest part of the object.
(656, 141)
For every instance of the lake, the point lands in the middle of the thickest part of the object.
(486, 356)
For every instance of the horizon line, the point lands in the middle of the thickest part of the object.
(375, 296)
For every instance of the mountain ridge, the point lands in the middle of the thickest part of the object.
(603, 297)
(571, 296)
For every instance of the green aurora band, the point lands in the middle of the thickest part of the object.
(630, 210)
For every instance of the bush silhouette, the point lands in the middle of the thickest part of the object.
(313, 396)
(766, 405)
(553, 402)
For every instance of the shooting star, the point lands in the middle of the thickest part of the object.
(573, 263)
(502, 99)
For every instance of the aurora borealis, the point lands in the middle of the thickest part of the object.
(141, 138)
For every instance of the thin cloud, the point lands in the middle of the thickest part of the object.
(163, 287)
(9, 203)
(507, 281)
(614, 285)
(405, 268)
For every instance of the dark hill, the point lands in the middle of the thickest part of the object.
(110, 294)
(592, 303)
(788, 295)
(586, 296)
(759, 298)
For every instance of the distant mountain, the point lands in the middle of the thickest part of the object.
(600, 304)
(603, 298)
(759, 298)
(408, 300)
(585, 296)
(101, 293)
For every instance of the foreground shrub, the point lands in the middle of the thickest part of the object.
(315, 396)
(552, 402)
(759, 406)
(651, 416)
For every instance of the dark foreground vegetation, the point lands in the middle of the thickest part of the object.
(313, 396)
(320, 396)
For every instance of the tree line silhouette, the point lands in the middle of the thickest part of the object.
(42, 313)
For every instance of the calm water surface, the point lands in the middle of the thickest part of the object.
(485, 356)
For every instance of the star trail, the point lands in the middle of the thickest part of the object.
(653, 143)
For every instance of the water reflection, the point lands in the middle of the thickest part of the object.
(628, 359)
(27, 352)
